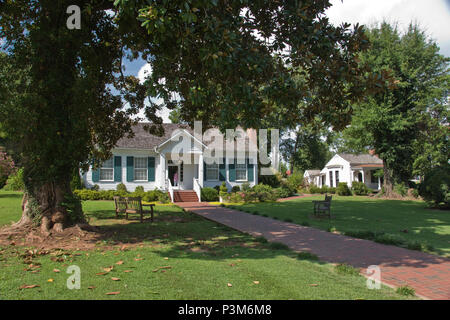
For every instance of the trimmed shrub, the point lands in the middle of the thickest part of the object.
(282, 192)
(343, 189)
(223, 190)
(264, 193)
(331, 190)
(295, 180)
(121, 187)
(209, 194)
(250, 196)
(235, 189)
(359, 188)
(95, 187)
(435, 187)
(314, 189)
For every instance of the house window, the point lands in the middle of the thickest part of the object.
(212, 172)
(373, 179)
(331, 179)
(336, 173)
(107, 170)
(241, 172)
(140, 169)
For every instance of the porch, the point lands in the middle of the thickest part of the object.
(366, 174)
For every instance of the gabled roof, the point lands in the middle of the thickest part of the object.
(144, 140)
(314, 172)
(355, 159)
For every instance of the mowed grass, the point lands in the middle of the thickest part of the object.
(410, 220)
(179, 256)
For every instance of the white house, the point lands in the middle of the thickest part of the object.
(348, 168)
(312, 177)
(178, 162)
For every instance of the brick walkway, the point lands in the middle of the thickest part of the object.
(429, 275)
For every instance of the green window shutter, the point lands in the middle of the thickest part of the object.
(204, 171)
(232, 171)
(118, 169)
(151, 168)
(96, 175)
(222, 171)
(130, 169)
(250, 175)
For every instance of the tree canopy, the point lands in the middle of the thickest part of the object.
(406, 125)
(65, 101)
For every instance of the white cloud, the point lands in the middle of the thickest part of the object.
(432, 15)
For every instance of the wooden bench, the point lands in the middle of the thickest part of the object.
(322, 207)
(129, 205)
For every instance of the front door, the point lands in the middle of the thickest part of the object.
(173, 175)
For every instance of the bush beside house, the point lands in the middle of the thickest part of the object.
(435, 187)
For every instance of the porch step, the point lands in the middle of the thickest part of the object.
(185, 196)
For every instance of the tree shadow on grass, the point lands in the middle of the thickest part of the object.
(11, 195)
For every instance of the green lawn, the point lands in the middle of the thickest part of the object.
(425, 226)
(204, 258)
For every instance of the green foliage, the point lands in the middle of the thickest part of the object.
(223, 190)
(235, 68)
(245, 186)
(264, 193)
(344, 268)
(295, 180)
(359, 188)
(121, 187)
(15, 181)
(76, 183)
(236, 189)
(74, 210)
(401, 189)
(95, 187)
(209, 194)
(313, 189)
(343, 189)
(405, 123)
(274, 180)
(149, 196)
(406, 291)
(7, 167)
(435, 187)
(282, 192)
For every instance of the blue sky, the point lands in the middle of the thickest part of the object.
(431, 15)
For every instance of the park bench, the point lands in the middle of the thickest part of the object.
(322, 207)
(130, 205)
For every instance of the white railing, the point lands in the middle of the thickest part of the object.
(169, 188)
(197, 189)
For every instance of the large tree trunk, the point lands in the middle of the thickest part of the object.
(44, 204)
(388, 180)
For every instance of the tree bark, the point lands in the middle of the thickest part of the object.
(388, 180)
(44, 204)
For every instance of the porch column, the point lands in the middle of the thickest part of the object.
(162, 165)
(363, 177)
(200, 169)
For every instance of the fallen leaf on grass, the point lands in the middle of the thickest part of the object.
(119, 262)
(138, 259)
(29, 286)
(166, 258)
(313, 285)
(115, 279)
(229, 284)
(50, 280)
(128, 271)
(56, 270)
(159, 268)
(109, 269)
(256, 282)
(101, 273)
(91, 287)
(112, 293)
